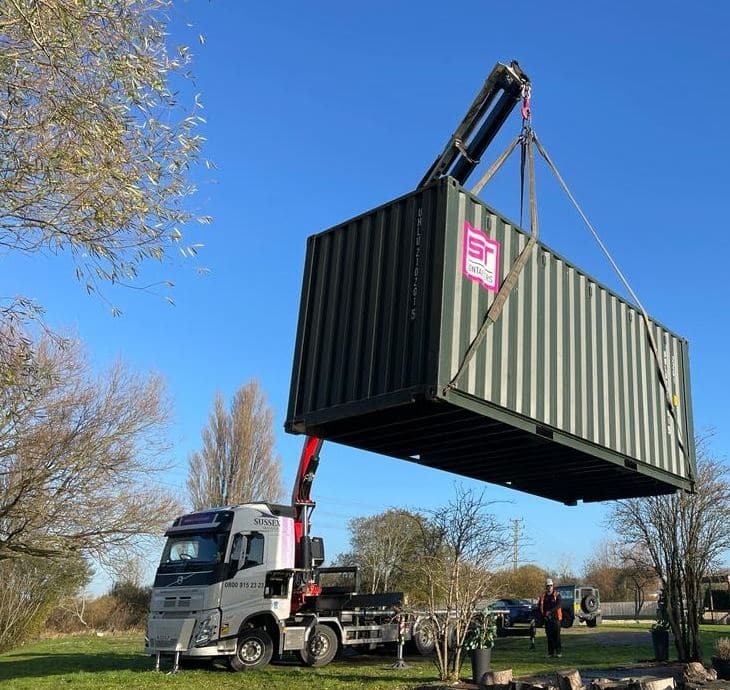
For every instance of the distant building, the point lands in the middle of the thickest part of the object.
(717, 597)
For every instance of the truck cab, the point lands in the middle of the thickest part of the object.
(223, 570)
(230, 586)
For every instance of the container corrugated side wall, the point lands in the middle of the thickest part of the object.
(566, 352)
(368, 322)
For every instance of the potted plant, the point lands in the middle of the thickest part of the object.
(721, 658)
(479, 643)
(660, 639)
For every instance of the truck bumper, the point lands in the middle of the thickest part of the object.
(169, 635)
(176, 635)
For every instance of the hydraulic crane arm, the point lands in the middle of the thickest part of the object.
(301, 500)
(495, 101)
(308, 464)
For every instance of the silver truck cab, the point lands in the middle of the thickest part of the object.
(218, 572)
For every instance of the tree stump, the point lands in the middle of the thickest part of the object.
(569, 680)
(497, 680)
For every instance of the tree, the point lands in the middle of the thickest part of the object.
(31, 587)
(461, 544)
(237, 463)
(620, 573)
(95, 148)
(526, 582)
(684, 535)
(78, 455)
(384, 547)
(604, 569)
(563, 572)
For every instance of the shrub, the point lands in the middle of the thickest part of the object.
(722, 648)
(31, 587)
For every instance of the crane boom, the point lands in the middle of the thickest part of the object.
(497, 98)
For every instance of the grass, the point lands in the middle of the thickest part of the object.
(117, 662)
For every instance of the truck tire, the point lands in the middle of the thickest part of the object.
(253, 650)
(321, 647)
(424, 637)
(589, 603)
(568, 619)
(592, 622)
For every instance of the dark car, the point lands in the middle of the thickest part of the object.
(513, 611)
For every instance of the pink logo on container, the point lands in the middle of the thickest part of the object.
(480, 258)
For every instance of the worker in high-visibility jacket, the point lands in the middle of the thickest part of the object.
(549, 607)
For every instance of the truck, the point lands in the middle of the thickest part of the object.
(244, 583)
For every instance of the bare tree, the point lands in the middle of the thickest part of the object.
(237, 463)
(462, 544)
(621, 572)
(684, 535)
(78, 455)
(95, 144)
(384, 546)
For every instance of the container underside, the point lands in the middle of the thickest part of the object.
(439, 434)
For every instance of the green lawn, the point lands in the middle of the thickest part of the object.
(116, 662)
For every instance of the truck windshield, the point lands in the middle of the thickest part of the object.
(208, 547)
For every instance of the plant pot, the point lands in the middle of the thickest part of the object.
(660, 640)
(722, 666)
(480, 661)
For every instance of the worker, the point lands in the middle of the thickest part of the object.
(549, 608)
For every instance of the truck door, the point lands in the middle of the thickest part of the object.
(243, 592)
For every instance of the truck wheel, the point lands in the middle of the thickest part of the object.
(568, 619)
(424, 637)
(592, 622)
(254, 650)
(321, 647)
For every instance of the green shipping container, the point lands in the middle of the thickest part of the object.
(562, 398)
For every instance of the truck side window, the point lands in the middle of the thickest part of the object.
(237, 547)
(254, 550)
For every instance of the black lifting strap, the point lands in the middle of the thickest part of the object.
(525, 139)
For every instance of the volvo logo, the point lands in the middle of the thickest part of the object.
(181, 578)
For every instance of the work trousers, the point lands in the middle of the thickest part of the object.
(552, 631)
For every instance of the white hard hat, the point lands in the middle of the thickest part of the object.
(548, 582)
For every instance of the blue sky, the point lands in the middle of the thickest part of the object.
(318, 111)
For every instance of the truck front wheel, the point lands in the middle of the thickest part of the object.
(254, 650)
(321, 646)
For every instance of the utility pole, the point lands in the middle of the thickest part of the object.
(516, 530)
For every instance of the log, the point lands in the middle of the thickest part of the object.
(569, 680)
(657, 684)
(497, 680)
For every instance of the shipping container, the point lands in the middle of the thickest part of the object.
(562, 398)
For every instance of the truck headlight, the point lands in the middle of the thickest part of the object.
(207, 629)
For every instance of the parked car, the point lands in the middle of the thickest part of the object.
(513, 611)
(581, 602)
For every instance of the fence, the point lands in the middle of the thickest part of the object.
(623, 610)
(626, 610)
